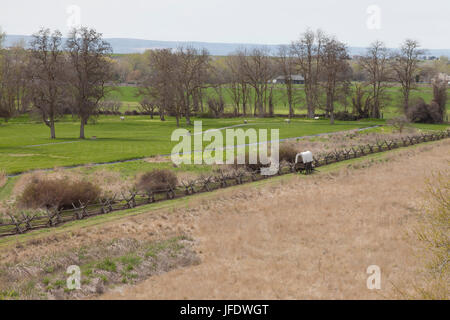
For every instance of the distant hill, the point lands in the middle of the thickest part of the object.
(125, 45)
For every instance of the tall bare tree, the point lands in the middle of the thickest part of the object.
(336, 72)
(287, 66)
(257, 69)
(47, 77)
(20, 58)
(376, 66)
(160, 84)
(90, 71)
(405, 65)
(238, 85)
(148, 105)
(307, 51)
(192, 69)
(12, 82)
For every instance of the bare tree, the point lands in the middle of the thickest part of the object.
(336, 72)
(287, 66)
(175, 80)
(90, 71)
(160, 83)
(232, 78)
(148, 105)
(257, 69)
(361, 101)
(405, 66)
(191, 71)
(238, 85)
(376, 66)
(47, 79)
(19, 78)
(8, 93)
(307, 51)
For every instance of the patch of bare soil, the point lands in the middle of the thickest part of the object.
(157, 159)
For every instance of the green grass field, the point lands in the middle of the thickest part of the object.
(25, 145)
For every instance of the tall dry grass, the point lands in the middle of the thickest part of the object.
(434, 234)
(306, 238)
(3, 178)
(344, 140)
(298, 238)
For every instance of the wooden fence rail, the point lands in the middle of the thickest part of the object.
(23, 222)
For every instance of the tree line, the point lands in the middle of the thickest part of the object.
(49, 78)
(179, 82)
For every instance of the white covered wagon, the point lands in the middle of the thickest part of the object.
(304, 162)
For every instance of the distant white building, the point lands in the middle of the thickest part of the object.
(295, 78)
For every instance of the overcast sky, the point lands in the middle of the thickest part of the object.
(356, 22)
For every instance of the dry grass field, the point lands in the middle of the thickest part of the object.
(294, 237)
(308, 238)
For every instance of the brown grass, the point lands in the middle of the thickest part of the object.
(340, 141)
(298, 238)
(307, 238)
(3, 178)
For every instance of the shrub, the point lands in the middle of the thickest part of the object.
(345, 116)
(57, 193)
(157, 180)
(434, 112)
(420, 112)
(249, 166)
(399, 123)
(287, 152)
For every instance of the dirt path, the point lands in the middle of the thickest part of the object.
(304, 238)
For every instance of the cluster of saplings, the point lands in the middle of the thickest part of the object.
(61, 193)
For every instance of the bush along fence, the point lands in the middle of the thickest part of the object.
(25, 221)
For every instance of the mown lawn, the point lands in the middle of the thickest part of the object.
(25, 145)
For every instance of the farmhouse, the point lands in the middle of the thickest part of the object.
(296, 79)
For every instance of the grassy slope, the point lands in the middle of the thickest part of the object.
(25, 145)
(183, 202)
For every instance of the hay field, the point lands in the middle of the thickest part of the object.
(294, 237)
(308, 238)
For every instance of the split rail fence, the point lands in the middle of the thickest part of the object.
(22, 222)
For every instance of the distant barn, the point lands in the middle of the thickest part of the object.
(296, 79)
